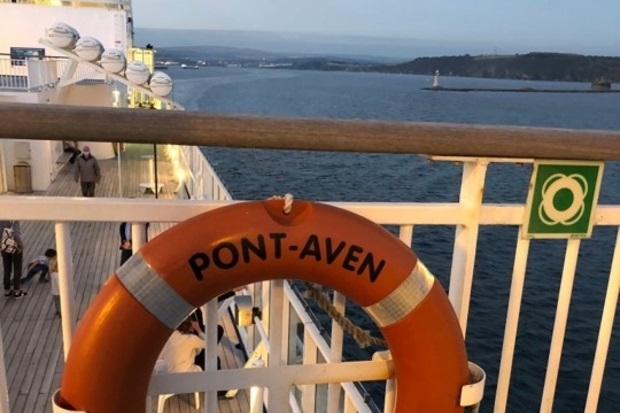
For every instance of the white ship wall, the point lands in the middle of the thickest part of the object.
(41, 156)
(86, 95)
(22, 25)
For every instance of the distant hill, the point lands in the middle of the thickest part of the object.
(533, 66)
(386, 50)
(240, 57)
(194, 53)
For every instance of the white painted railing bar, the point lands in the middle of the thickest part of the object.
(278, 396)
(559, 326)
(67, 209)
(65, 284)
(257, 393)
(4, 389)
(466, 239)
(138, 236)
(512, 322)
(284, 376)
(57, 122)
(606, 328)
(308, 392)
(210, 316)
(339, 302)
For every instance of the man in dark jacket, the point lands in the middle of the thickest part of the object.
(87, 172)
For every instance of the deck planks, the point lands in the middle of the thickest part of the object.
(31, 333)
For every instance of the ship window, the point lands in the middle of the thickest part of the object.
(20, 54)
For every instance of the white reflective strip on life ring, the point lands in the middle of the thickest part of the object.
(405, 298)
(150, 290)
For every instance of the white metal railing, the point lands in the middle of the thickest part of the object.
(34, 74)
(468, 215)
(281, 306)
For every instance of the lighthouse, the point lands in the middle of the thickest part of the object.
(436, 80)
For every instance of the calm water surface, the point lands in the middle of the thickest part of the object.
(258, 174)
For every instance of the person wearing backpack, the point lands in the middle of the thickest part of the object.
(12, 250)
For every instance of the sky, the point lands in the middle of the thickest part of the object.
(504, 26)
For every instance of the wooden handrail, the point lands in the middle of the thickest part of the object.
(57, 122)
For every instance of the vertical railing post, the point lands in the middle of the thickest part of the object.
(308, 391)
(138, 236)
(211, 349)
(257, 393)
(512, 322)
(276, 396)
(4, 388)
(559, 326)
(466, 238)
(65, 284)
(606, 328)
(336, 345)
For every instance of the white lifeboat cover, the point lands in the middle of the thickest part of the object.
(88, 48)
(160, 84)
(113, 60)
(137, 73)
(62, 35)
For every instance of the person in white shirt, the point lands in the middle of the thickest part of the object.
(182, 347)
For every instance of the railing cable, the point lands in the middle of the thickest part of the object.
(362, 337)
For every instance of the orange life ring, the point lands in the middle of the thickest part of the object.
(117, 343)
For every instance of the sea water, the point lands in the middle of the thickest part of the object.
(258, 174)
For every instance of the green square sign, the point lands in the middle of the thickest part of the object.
(562, 198)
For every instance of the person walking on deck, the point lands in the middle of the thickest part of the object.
(12, 261)
(87, 172)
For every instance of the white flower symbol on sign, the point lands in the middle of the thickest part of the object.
(549, 213)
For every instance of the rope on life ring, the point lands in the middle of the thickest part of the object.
(117, 342)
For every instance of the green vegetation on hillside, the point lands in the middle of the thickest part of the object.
(533, 66)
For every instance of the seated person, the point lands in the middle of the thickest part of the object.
(182, 347)
(71, 147)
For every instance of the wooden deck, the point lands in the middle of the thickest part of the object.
(31, 333)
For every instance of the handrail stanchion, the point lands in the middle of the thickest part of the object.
(65, 284)
(336, 345)
(4, 389)
(257, 393)
(390, 384)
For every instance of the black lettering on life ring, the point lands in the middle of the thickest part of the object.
(277, 238)
(312, 249)
(259, 250)
(226, 255)
(199, 262)
(369, 263)
(218, 256)
(331, 253)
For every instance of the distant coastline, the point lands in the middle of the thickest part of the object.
(531, 66)
(521, 90)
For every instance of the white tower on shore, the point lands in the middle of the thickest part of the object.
(436, 80)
